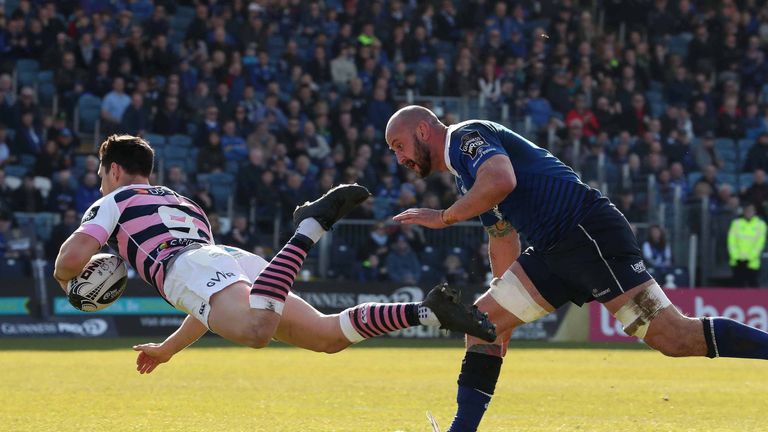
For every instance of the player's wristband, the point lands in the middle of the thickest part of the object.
(442, 219)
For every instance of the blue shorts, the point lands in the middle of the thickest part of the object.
(599, 259)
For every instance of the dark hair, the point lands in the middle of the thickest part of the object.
(132, 153)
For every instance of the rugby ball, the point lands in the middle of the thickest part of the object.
(101, 282)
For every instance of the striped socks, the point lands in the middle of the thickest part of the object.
(276, 279)
(369, 320)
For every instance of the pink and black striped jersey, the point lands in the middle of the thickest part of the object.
(146, 225)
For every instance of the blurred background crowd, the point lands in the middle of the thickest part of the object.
(256, 106)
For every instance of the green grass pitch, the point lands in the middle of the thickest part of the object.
(91, 385)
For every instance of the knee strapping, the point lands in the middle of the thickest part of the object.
(509, 293)
(636, 315)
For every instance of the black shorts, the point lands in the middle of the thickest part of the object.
(599, 259)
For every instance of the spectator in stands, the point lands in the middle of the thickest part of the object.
(70, 81)
(87, 193)
(27, 198)
(746, 241)
(464, 80)
(69, 223)
(7, 99)
(177, 180)
(211, 157)
(729, 122)
(702, 120)
(170, 120)
(6, 222)
(343, 68)
(581, 111)
(757, 157)
(113, 106)
(677, 179)
(99, 82)
(628, 206)
(52, 160)
(707, 154)
(606, 116)
(63, 135)
(376, 243)
(29, 139)
(136, 118)
(489, 83)
(403, 264)
(62, 194)
(537, 107)
(757, 194)
(634, 118)
(233, 145)
(6, 193)
(454, 271)
(414, 235)
(294, 193)
(240, 235)
(372, 270)
(656, 251)
(5, 149)
(436, 82)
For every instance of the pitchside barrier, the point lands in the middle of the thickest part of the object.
(141, 312)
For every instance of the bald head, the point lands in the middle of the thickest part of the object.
(408, 118)
(417, 137)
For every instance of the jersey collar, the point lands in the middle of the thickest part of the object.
(447, 154)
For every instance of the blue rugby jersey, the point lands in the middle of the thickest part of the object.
(549, 199)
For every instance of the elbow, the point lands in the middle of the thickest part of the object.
(504, 185)
(69, 261)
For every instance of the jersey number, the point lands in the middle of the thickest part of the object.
(180, 225)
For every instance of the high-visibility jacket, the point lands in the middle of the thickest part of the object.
(746, 239)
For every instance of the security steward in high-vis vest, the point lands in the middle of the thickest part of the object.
(746, 239)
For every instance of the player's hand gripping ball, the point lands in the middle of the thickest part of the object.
(101, 283)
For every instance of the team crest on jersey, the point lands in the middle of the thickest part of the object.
(471, 142)
(90, 215)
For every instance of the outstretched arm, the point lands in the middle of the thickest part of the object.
(495, 180)
(152, 354)
(73, 256)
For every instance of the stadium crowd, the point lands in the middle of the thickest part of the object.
(273, 102)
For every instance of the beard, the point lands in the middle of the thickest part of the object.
(421, 157)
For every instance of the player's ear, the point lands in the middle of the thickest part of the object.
(423, 130)
(115, 170)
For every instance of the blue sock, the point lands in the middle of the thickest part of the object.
(477, 381)
(728, 338)
(472, 405)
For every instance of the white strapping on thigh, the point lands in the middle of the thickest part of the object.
(509, 293)
(637, 313)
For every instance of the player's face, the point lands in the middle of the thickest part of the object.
(413, 155)
(107, 182)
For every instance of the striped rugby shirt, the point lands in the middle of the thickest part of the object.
(146, 225)
(549, 199)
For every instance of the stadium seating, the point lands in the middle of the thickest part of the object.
(179, 141)
(46, 90)
(88, 114)
(26, 72)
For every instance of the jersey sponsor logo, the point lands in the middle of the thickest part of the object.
(202, 309)
(596, 293)
(218, 277)
(471, 142)
(157, 191)
(90, 215)
(638, 267)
